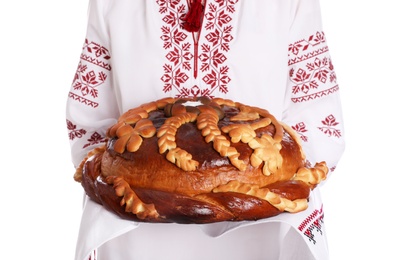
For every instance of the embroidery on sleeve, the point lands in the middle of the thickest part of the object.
(312, 73)
(301, 129)
(328, 127)
(73, 132)
(94, 139)
(90, 74)
(96, 54)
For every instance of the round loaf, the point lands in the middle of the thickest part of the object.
(199, 160)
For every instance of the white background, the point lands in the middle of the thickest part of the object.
(41, 204)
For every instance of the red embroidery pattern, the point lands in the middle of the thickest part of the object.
(183, 54)
(311, 224)
(95, 138)
(83, 100)
(73, 132)
(179, 52)
(329, 123)
(219, 37)
(87, 80)
(315, 95)
(300, 48)
(301, 129)
(329, 128)
(312, 73)
(96, 54)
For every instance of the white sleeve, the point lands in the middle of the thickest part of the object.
(312, 105)
(91, 105)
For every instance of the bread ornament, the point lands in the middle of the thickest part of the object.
(199, 160)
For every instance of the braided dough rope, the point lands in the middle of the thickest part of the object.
(130, 199)
(166, 141)
(274, 199)
(208, 122)
(312, 176)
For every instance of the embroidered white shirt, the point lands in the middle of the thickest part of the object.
(267, 53)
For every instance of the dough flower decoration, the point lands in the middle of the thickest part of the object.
(266, 150)
(130, 137)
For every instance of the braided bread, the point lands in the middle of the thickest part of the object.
(199, 160)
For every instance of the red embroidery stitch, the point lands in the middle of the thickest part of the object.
(97, 49)
(303, 45)
(328, 129)
(73, 132)
(95, 138)
(95, 61)
(312, 223)
(318, 73)
(83, 100)
(301, 128)
(87, 80)
(179, 54)
(211, 53)
(315, 95)
(312, 72)
(300, 58)
(96, 54)
(219, 36)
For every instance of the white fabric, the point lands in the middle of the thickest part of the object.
(267, 53)
(271, 238)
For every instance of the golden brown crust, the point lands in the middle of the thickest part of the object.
(215, 160)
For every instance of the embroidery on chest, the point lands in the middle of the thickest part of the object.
(200, 56)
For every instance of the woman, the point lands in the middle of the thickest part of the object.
(268, 53)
